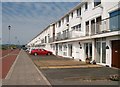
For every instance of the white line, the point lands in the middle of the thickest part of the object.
(12, 67)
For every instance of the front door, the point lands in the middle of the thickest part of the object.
(88, 50)
(56, 48)
(116, 53)
(70, 49)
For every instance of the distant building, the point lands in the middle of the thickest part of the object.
(89, 30)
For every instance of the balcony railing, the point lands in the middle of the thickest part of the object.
(106, 25)
(69, 35)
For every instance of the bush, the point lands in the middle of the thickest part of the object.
(115, 77)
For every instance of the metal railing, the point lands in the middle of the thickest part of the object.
(69, 35)
(106, 25)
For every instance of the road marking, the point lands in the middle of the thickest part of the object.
(12, 67)
(62, 67)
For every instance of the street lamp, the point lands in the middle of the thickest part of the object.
(9, 27)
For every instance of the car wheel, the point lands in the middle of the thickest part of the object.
(35, 54)
(48, 53)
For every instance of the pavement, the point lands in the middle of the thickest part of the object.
(24, 72)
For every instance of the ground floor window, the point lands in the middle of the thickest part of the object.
(65, 50)
(60, 47)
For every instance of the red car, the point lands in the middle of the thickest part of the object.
(40, 52)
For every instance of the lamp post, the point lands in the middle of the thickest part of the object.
(9, 27)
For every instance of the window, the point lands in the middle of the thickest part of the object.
(48, 38)
(72, 15)
(62, 20)
(60, 47)
(67, 18)
(65, 34)
(79, 12)
(86, 6)
(45, 39)
(97, 2)
(77, 27)
(115, 20)
(87, 28)
(59, 36)
(56, 24)
(59, 23)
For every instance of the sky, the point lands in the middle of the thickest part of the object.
(27, 19)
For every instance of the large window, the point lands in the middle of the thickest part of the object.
(97, 2)
(65, 34)
(77, 27)
(115, 20)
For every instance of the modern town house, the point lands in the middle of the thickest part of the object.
(89, 30)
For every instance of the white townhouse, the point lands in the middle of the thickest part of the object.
(89, 30)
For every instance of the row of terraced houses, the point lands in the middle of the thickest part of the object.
(89, 30)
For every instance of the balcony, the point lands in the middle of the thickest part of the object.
(69, 35)
(106, 25)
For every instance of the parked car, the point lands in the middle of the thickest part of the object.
(40, 52)
(29, 50)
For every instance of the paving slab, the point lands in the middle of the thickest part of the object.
(25, 73)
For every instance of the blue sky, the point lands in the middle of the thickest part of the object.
(29, 18)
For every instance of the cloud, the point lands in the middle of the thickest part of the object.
(29, 18)
(40, 0)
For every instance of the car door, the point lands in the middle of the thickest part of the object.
(39, 51)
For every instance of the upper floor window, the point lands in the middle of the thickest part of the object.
(59, 23)
(72, 15)
(62, 20)
(45, 39)
(97, 2)
(56, 24)
(67, 18)
(77, 27)
(79, 12)
(86, 6)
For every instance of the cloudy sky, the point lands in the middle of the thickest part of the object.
(27, 19)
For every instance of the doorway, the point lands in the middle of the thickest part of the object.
(116, 53)
(88, 50)
(101, 50)
(70, 50)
